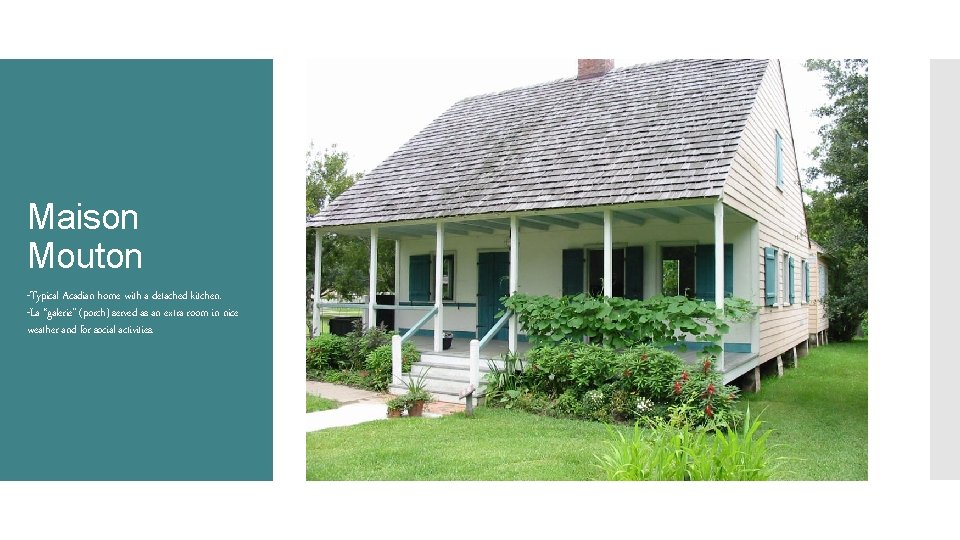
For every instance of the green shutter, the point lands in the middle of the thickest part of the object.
(770, 276)
(420, 278)
(633, 273)
(572, 271)
(779, 160)
(791, 283)
(806, 281)
(706, 270)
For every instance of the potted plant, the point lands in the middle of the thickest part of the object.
(447, 340)
(417, 395)
(396, 406)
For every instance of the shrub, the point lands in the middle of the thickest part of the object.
(380, 363)
(363, 342)
(327, 352)
(701, 398)
(649, 372)
(678, 452)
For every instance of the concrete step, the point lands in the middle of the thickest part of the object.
(442, 371)
(456, 361)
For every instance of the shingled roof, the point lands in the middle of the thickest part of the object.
(665, 130)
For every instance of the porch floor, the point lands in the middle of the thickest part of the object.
(734, 364)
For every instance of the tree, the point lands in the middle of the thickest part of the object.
(346, 259)
(837, 214)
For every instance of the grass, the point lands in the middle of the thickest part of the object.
(316, 403)
(819, 414)
(496, 444)
(329, 313)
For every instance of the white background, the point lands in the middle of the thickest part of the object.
(897, 499)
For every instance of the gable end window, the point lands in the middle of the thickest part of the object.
(779, 154)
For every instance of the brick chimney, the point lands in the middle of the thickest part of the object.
(588, 69)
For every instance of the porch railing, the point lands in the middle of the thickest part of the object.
(476, 345)
(396, 342)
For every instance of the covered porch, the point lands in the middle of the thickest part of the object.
(613, 251)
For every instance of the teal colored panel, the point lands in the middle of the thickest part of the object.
(419, 278)
(770, 276)
(633, 273)
(706, 271)
(572, 271)
(791, 282)
(188, 145)
(493, 283)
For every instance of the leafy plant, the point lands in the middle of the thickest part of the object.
(380, 362)
(621, 322)
(326, 352)
(398, 403)
(417, 388)
(669, 451)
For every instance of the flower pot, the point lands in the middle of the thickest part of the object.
(447, 342)
(416, 408)
(394, 413)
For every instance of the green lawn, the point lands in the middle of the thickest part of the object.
(315, 403)
(329, 313)
(818, 413)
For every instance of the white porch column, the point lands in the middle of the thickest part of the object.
(514, 278)
(396, 276)
(607, 254)
(718, 263)
(317, 252)
(371, 312)
(438, 293)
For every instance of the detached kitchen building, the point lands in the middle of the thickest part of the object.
(595, 183)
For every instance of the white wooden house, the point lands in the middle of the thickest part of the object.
(593, 183)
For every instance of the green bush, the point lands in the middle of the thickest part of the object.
(701, 398)
(649, 372)
(380, 362)
(327, 352)
(665, 451)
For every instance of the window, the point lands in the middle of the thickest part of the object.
(779, 158)
(806, 282)
(784, 281)
(678, 264)
(422, 277)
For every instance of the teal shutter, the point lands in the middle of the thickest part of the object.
(572, 271)
(706, 266)
(420, 278)
(633, 273)
(779, 161)
(770, 276)
(806, 281)
(791, 283)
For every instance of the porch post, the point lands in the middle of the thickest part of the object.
(396, 276)
(371, 311)
(317, 252)
(607, 254)
(438, 293)
(718, 263)
(514, 278)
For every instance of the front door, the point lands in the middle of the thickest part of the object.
(493, 283)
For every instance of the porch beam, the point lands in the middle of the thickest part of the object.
(317, 253)
(474, 228)
(372, 301)
(438, 291)
(492, 224)
(585, 218)
(629, 218)
(718, 253)
(662, 214)
(608, 253)
(514, 279)
(531, 224)
(452, 228)
(551, 220)
(697, 211)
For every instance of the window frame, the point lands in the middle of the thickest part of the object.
(778, 161)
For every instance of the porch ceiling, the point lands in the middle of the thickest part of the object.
(552, 221)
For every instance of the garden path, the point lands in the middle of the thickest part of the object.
(358, 406)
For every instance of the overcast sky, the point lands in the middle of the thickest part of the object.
(369, 108)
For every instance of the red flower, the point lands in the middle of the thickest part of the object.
(709, 411)
(710, 389)
(627, 373)
(706, 366)
(643, 356)
(685, 376)
(676, 387)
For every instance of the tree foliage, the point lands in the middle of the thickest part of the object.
(346, 259)
(837, 214)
